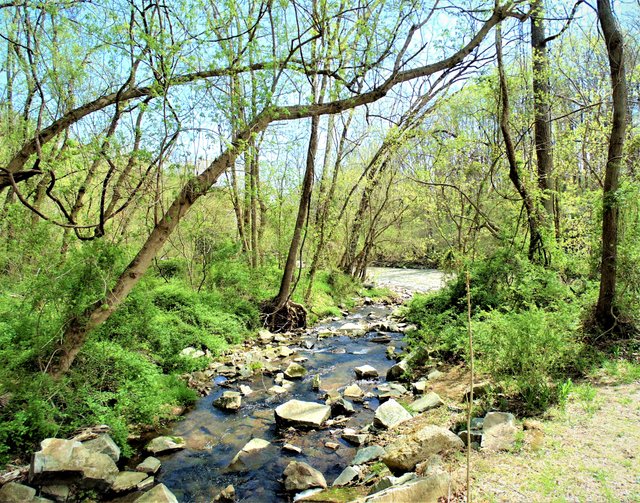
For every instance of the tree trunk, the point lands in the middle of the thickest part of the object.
(537, 251)
(542, 107)
(303, 209)
(606, 309)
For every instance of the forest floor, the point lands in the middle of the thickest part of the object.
(587, 451)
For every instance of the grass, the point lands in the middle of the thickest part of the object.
(589, 452)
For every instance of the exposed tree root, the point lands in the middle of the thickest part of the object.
(291, 316)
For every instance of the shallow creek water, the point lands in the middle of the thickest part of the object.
(213, 437)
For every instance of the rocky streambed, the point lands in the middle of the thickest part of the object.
(326, 414)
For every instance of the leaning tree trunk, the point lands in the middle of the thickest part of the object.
(537, 251)
(605, 309)
(280, 313)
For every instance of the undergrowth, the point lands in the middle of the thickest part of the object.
(526, 323)
(127, 375)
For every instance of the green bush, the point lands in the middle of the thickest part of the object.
(528, 351)
(525, 322)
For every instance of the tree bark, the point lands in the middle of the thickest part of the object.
(606, 308)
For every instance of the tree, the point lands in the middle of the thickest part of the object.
(606, 308)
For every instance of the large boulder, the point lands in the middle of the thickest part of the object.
(390, 414)
(61, 459)
(162, 445)
(159, 494)
(425, 490)
(498, 431)
(302, 414)
(404, 454)
(299, 476)
(104, 444)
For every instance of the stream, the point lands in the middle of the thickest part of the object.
(213, 436)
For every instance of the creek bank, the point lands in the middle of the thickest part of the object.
(219, 454)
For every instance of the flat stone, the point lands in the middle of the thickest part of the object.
(366, 372)
(158, 494)
(279, 338)
(391, 390)
(245, 390)
(230, 400)
(104, 444)
(367, 454)
(492, 419)
(404, 454)
(279, 379)
(299, 476)
(254, 445)
(146, 484)
(161, 445)
(390, 414)
(227, 371)
(424, 490)
(332, 445)
(292, 448)
(16, 493)
(427, 402)
(390, 481)
(277, 390)
(352, 436)
(302, 414)
(295, 371)
(355, 329)
(381, 339)
(353, 391)
(128, 481)
(349, 474)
